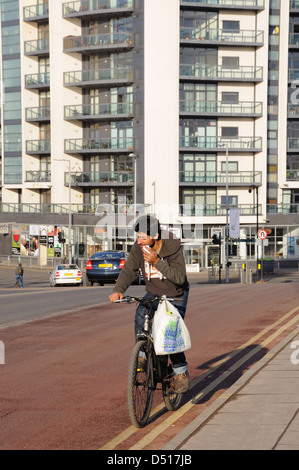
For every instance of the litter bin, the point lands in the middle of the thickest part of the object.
(268, 265)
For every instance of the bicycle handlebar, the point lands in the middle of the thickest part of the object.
(129, 298)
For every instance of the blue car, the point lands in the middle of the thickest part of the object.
(104, 267)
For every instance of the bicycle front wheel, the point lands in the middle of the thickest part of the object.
(140, 386)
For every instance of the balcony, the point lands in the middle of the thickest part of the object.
(218, 73)
(101, 77)
(293, 74)
(294, 41)
(200, 210)
(94, 43)
(218, 108)
(38, 47)
(106, 112)
(214, 178)
(294, 6)
(37, 81)
(214, 144)
(222, 4)
(293, 144)
(38, 114)
(210, 36)
(114, 178)
(38, 176)
(89, 8)
(292, 175)
(36, 12)
(99, 145)
(283, 208)
(293, 111)
(36, 147)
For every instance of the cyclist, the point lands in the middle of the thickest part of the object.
(19, 274)
(160, 258)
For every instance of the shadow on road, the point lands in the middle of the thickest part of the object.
(215, 378)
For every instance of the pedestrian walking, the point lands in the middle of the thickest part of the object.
(19, 275)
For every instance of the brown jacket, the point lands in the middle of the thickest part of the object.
(171, 265)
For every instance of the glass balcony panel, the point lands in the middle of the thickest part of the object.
(86, 145)
(38, 46)
(218, 72)
(89, 6)
(38, 176)
(98, 41)
(34, 12)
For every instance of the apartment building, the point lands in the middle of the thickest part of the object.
(183, 108)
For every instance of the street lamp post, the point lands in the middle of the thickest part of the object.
(252, 188)
(70, 207)
(133, 155)
(227, 209)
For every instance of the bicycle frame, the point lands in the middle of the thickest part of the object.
(141, 389)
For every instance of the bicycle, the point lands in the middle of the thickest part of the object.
(143, 383)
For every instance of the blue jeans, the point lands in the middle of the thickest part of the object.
(18, 276)
(180, 365)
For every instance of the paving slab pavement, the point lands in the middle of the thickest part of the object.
(259, 412)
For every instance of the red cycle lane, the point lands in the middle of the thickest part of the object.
(63, 384)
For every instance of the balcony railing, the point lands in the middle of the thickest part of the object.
(86, 7)
(37, 47)
(95, 111)
(293, 74)
(100, 178)
(294, 39)
(227, 3)
(223, 37)
(293, 144)
(98, 41)
(293, 110)
(199, 210)
(106, 76)
(38, 146)
(293, 175)
(96, 145)
(61, 209)
(283, 208)
(36, 12)
(239, 144)
(243, 108)
(219, 178)
(38, 176)
(218, 72)
(37, 80)
(41, 113)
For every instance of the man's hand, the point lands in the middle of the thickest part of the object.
(150, 255)
(116, 296)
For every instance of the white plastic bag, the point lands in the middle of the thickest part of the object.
(170, 334)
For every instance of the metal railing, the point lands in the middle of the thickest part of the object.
(219, 72)
(244, 108)
(89, 6)
(98, 40)
(94, 110)
(214, 177)
(113, 143)
(246, 37)
(78, 77)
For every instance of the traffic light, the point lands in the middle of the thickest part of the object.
(215, 239)
(61, 237)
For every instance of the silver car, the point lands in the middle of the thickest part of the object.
(66, 274)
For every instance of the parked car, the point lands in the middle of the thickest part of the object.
(104, 266)
(66, 274)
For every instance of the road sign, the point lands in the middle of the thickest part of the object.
(262, 234)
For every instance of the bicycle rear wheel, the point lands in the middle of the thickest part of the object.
(140, 386)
